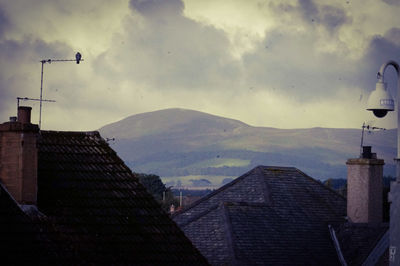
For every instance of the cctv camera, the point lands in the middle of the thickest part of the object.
(380, 112)
(380, 101)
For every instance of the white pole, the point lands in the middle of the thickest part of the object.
(381, 77)
(41, 90)
(394, 195)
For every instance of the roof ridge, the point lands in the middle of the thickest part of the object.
(227, 225)
(255, 169)
(320, 183)
(223, 204)
(88, 133)
(272, 167)
(222, 188)
(233, 182)
(201, 214)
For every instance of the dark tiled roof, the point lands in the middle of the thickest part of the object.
(21, 239)
(98, 211)
(270, 215)
(357, 240)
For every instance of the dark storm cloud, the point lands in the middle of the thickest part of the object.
(290, 65)
(170, 51)
(332, 17)
(380, 50)
(25, 56)
(329, 16)
(4, 22)
(309, 10)
(30, 51)
(393, 35)
(202, 55)
(385, 47)
(157, 7)
(12, 83)
(392, 2)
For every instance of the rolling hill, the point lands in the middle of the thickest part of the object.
(184, 145)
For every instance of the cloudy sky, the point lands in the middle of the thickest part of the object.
(286, 64)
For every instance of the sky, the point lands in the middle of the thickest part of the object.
(284, 64)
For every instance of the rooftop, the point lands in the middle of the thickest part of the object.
(270, 215)
(91, 209)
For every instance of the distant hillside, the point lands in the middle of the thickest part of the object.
(185, 145)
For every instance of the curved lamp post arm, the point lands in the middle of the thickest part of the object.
(394, 195)
(381, 74)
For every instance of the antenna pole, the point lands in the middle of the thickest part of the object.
(362, 139)
(364, 126)
(78, 58)
(41, 93)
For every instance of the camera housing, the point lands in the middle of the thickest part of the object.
(380, 101)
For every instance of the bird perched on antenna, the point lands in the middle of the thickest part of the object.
(78, 57)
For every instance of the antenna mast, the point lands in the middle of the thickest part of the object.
(78, 58)
(369, 128)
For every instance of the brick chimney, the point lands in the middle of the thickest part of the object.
(19, 156)
(364, 188)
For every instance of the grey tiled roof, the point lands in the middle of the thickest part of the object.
(358, 240)
(268, 216)
(95, 210)
(98, 203)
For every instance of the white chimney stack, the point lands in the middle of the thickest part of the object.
(364, 188)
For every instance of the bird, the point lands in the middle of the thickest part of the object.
(78, 57)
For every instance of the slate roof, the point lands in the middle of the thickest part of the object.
(268, 216)
(357, 240)
(95, 210)
(19, 234)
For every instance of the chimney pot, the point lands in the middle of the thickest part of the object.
(366, 152)
(13, 119)
(24, 114)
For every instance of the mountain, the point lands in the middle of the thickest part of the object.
(187, 145)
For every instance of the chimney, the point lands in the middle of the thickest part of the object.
(18, 156)
(364, 188)
(24, 114)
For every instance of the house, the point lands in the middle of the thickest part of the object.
(280, 216)
(67, 198)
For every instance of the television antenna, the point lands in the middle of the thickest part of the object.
(78, 58)
(370, 129)
(31, 99)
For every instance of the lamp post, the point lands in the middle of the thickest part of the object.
(380, 102)
(78, 58)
